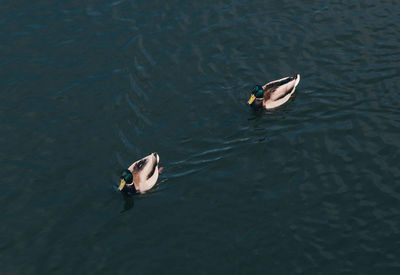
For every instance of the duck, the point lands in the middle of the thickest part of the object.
(274, 93)
(141, 176)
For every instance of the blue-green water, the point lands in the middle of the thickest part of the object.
(88, 87)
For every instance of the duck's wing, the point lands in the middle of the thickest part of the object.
(137, 170)
(280, 88)
(145, 172)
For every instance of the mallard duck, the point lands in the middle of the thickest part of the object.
(141, 175)
(274, 93)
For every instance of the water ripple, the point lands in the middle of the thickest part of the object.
(89, 88)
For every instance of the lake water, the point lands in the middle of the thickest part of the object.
(88, 87)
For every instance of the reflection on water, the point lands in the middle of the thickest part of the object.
(129, 203)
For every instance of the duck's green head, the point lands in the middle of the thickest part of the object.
(257, 92)
(126, 178)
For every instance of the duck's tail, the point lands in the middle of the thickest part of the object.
(297, 77)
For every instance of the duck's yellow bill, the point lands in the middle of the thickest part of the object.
(122, 184)
(252, 98)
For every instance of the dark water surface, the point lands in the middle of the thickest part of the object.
(88, 87)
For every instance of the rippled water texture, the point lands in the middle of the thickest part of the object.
(88, 87)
